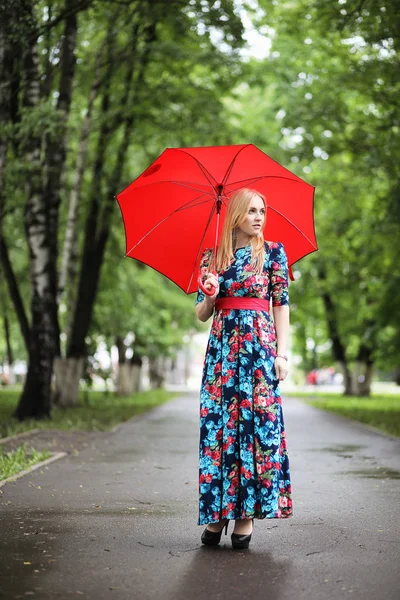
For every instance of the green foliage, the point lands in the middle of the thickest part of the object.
(324, 102)
(180, 73)
(41, 120)
(332, 80)
(136, 298)
(18, 460)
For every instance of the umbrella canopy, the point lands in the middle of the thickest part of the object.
(170, 211)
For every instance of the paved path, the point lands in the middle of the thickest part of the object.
(119, 519)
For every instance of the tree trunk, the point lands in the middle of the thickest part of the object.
(14, 292)
(125, 379)
(36, 398)
(41, 224)
(70, 252)
(9, 352)
(10, 52)
(68, 373)
(366, 385)
(56, 155)
(363, 371)
(121, 348)
(10, 357)
(136, 362)
(338, 349)
(128, 380)
(157, 372)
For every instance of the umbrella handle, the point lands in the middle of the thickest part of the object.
(207, 292)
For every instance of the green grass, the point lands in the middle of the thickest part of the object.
(22, 458)
(97, 411)
(381, 411)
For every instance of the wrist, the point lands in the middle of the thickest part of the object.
(284, 356)
(209, 301)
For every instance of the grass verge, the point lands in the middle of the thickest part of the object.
(97, 411)
(381, 411)
(22, 458)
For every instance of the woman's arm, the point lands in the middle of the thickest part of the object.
(280, 306)
(282, 323)
(205, 309)
(281, 319)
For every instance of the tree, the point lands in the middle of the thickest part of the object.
(132, 66)
(333, 82)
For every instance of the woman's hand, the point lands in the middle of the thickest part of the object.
(212, 281)
(281, 368)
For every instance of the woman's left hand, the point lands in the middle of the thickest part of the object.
(281, 368)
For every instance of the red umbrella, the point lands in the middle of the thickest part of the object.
(171, 211)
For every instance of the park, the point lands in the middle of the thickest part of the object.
(101, 349)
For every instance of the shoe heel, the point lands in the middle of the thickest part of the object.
(241, 542)
(213, 538)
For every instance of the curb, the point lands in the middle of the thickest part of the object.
(55, 456)
(18, 435)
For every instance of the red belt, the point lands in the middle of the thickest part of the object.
(244, 303)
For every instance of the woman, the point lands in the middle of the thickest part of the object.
(243, 461)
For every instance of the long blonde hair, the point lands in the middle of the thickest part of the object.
(236, 212)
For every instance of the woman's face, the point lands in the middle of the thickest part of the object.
(255, 218)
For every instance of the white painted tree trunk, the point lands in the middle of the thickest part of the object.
(11, 375)
(355, 383)
(124, 384)
(128, 379)
(68, 373)
(137, 378)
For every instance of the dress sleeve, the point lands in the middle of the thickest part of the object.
(203, 270)
(279, 275)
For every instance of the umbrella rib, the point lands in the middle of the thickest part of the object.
(251, 179)
(192, 188)
(139, 187)
(228, 172)
(258, 177)
(205, 172)
(293, 225)
(200, 247)
(183, 207)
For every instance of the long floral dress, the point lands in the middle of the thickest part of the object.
(243, 459)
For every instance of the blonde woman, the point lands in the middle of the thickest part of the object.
(243, 460)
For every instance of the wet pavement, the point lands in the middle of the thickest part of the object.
(119, 518)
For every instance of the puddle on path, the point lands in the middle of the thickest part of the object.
(377, 473)
(341, 449)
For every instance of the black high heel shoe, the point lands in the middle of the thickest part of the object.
(240, 542)
(213, 538)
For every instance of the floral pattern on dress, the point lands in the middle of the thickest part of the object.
(243, 459)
